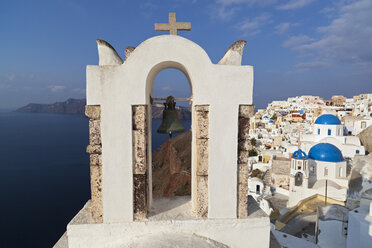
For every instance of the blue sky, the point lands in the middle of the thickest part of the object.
(296, 46)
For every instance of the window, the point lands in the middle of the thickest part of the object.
(357, 151)
(257, 189)
(329, 131)
(363, 124)
(325, 171)
(340, 174)
(318, 130)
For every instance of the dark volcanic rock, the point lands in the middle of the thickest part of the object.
(171, 167)
(71, 106)
(366, 138)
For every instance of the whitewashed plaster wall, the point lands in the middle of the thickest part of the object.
(360, 227)
(322, 130)
(331, 234)
(117, 87)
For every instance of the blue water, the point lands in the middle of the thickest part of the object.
(44, 175)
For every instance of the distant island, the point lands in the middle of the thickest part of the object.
(77, 106)
(71, 106)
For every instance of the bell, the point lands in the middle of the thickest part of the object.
(170, 123)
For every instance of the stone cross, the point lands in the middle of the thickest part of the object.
(172, 26)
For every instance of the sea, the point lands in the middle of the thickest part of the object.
(44, 175)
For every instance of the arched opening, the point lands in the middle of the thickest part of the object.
(171, 156)
(298, 179)
(258, 190)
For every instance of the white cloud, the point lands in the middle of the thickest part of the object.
(284, 27)
(79, 90)
(223, 13)
(166, 88)
(295, 41)
(295, 4)
(11, 77)
(348, 38)
(4, 86)
(56, 88)
(312, 65)
(307, 66)
(226, 9)
(253, 26)
(327, 10)
(248, 2)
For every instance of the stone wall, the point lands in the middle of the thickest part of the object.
(95, 150)
(200, 190)
(280, 171)
(245, 112)
(140, 163)
(281, 166)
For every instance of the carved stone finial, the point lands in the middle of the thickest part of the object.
(233, 55)
(107, 54)
(128, 51)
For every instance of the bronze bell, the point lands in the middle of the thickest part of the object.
(170, 123)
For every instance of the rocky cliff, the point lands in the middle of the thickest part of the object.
(366, 138)
(171, 167)
(77, 106)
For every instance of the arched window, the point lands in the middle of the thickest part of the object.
(329, 132)
(318, 130)
(325, 171)
(298, 179)
(170, 82)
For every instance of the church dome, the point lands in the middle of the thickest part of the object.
(328, 120)
(326, 152)
(299, 154)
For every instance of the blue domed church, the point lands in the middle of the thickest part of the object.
(329, 129)
(322, 169)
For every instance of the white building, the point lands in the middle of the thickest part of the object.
(363, 105)
(360, 125)
(360, 227)
(255, 186)
(329, 129)
(323, 170)
(332, 226)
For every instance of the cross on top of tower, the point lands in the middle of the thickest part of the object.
(172, 26)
